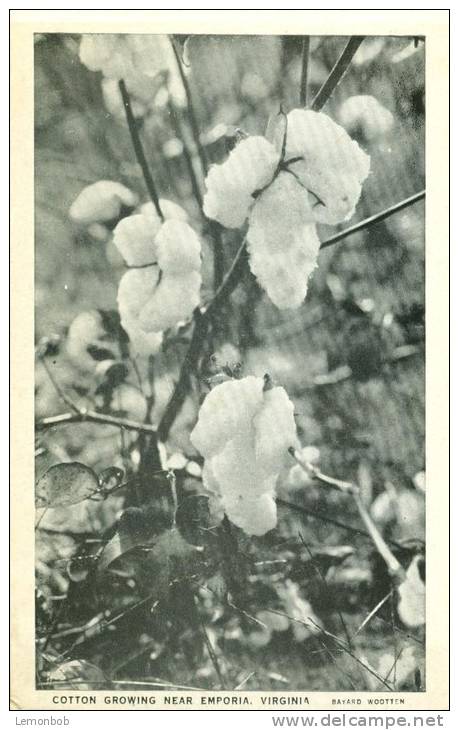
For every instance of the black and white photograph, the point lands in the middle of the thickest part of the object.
(229, 379)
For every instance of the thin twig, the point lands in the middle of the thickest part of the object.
(372, 613)
(327, 588)
(138, 148)
(89, 416)
(210, 648)
(59, 390)
(193, 121)
(372, 220)
(393, 565)
(337, 73)
(304, 70)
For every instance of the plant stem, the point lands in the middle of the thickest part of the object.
(372, 220)
(304, 71)
(90, 416)
(138, 149)
(337, 73)
(193, 121)
(393, 565)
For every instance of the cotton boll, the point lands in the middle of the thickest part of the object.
(333, 166)
(298, 478)
(249, 167)
(150, 53)
(278, 213)
(136, 288)
(173, 300)
(134, 238)
(366, 113)
(114, 102)
(101, 201)
(412, 596)
(142, 344)
(275, 430)
(228, 408)
(254, 516)
(179, 248)
(237, 470)
(285, 276)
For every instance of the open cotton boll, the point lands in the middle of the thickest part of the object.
(179, 248)
(141, 343)
(250, 166)
(254, 516)
(101, 201)
(134, 237)
(244, 433)
(275, 430)
(282, 242)
(227, 409)
(412, 596)
(135, 290)
(174, 300)
(364, 112)
(333, 166)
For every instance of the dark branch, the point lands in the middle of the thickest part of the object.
(337, 73)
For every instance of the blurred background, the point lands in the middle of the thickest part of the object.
(351, 358)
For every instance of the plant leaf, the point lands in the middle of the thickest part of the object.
(64, 484)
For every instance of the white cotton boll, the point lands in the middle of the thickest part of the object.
(179, 248)
(249, 167)
(174, 300)
(366, 113)
(412, 596)
(136, 288)
(275, 430)
(237, 470)
(333, 166)
(282, 242)
(384, 510)
(279, 212)
(101, 201)
(254, 516)
(285, 276)
(134, 237)
(227, 409)
(141, 343)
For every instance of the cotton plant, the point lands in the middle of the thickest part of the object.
(309, 171)
(244, 430)
(162, 286)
